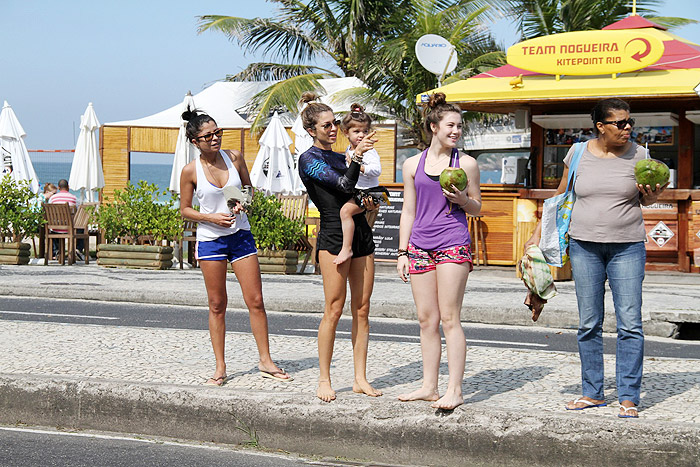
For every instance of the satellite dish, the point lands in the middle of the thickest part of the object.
(436, 54)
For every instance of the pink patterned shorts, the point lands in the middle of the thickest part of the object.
(426, 260)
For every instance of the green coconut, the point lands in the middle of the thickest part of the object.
(453, 176)
(651, 172)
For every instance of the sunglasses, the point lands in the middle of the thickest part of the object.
(620, 124)
(329, 125)
(209, 136)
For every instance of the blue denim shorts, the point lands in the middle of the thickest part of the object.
(231, 247)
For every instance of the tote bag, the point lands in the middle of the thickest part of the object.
(556, 215)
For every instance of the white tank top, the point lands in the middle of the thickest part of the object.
(211, 200)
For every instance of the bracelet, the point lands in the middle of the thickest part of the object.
(356, 157)
(402, 252)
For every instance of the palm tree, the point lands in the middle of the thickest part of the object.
(371, 39)
(543, 17)
(302, 35)
(396, 76)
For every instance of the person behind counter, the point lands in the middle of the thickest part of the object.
(223, 237)
(607, 242)
(434, 247)
(330, 184)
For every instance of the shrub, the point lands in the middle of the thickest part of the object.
(20, 215)
(136, 211)
(270, 227)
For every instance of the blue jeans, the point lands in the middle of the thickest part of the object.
(623, 265)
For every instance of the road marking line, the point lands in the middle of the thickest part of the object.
(56, 315)
(529, 344)
(181, 443)
(475, 341)
(109, 437)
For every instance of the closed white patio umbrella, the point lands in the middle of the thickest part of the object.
(302, 142)
(12, 144)
(274, 154)
(86, 171)
(185, 151)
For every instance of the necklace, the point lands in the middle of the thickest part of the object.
(431, 165)
(208, 166)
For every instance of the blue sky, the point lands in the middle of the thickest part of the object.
(131, 58)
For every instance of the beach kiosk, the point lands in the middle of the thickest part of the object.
(550, 84)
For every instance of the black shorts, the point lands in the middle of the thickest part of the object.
(331, 240)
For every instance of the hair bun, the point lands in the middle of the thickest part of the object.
(437, 99)
(308, 96)
(189, 114)
(356, 108)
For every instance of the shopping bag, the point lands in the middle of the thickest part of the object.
(556, 216)
(538, 280)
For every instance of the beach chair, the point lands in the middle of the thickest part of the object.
(60, 225)
(81, 221)
(189, 236)
(93, 230)
(294, 207)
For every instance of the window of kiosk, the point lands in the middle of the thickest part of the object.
(659, 140)
(491, 165)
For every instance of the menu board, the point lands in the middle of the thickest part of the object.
(386, 227)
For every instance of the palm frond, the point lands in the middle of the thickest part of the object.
(671, 22)
(231, 26)
(283, 40)
(283, 94)
(275, 72)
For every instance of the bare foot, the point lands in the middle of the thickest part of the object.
(448, 402)
(325, 392)
(365, 388)
(421, 394)
(584, 403)
(343, 256)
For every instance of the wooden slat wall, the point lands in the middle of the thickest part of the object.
(386, 147)
(251, 147)
(232, 139)
(118, 142)
(499, 217)
(114, 144)
(159, 140)
(164, 140)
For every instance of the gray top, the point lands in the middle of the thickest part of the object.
(607, 208)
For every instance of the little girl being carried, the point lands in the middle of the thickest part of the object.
(356, 127)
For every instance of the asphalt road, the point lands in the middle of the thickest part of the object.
(25, 447)
(306, 324)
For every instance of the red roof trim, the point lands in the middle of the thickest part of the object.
(634, 22)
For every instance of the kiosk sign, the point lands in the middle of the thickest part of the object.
(587, 52)
(661, 234)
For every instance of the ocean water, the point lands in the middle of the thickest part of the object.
(151, 173)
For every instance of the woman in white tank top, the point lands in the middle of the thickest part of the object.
(223, 237)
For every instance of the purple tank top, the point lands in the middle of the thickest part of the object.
(437, 227)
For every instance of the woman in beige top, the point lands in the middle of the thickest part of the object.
(607, 242)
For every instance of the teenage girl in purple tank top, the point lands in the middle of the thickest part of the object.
(434, 249)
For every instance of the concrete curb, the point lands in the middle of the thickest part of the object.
(353, 426)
